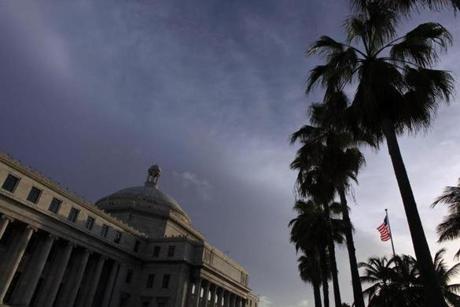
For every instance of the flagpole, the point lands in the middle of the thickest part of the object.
(391, 233)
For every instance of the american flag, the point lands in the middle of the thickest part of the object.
(384, 229)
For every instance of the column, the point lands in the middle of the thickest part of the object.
(226, 298)
(110, 284)
(189, 294)
(232, 300)
(4, 222)
(205, 294)
(213, 296)
(23, 292)
(220, 297)
(89, 288)
(51, 285)
(70, 287)
(13, 258)
(119, 284)
(196, 298)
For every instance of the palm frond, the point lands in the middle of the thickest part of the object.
(407, 6)
(452, 272)
(450, 196)
(325, 45)
(449, 229)
(421, 45)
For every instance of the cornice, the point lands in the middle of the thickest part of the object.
(57, 188)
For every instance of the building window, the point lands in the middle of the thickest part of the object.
(117, 238)
(165, 282)
(150, 280)
(89, 223)
(10, 183)
(156, 251)
(129, 276)
(34, 195)
(73, 215)
(104, 230)
(136, 246)
(171, 250)
(55, 205)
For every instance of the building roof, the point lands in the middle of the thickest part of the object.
(55, 186)
(146, 195)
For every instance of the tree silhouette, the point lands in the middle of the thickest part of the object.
(396, 282)
(449, 229)
(395, 89)
(310, 234)
(335, 152)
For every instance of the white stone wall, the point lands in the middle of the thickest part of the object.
(27, 181)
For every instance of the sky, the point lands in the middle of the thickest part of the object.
(94, 92)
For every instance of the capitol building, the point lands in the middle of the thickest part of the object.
(136, 247)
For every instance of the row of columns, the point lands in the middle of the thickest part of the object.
(73, 274)
(205, 294)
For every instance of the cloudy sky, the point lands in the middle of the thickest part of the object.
(93, 92)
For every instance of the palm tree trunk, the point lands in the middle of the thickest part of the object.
(433, 293)
(317, 294)
(324, 275)
(357, 289)
(332, 259)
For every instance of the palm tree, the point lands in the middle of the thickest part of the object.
(450, 291)
(343, 161)
(310, 271)
(377, 271)
(312, 182)
(396, 282)
(449, 229)
(310, 233)
(395, 90)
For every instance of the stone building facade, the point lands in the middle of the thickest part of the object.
(136, 247)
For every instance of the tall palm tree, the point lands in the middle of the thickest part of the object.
(343, 161)
(395, 90)
(449, 229)
(310, 271)
(312, 182)
(310, 233)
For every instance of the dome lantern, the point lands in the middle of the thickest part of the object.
(153, 176)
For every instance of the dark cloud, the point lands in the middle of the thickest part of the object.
(93, 92)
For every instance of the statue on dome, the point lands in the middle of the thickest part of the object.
(153, 176)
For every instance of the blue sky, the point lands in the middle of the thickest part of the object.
(94, 92)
